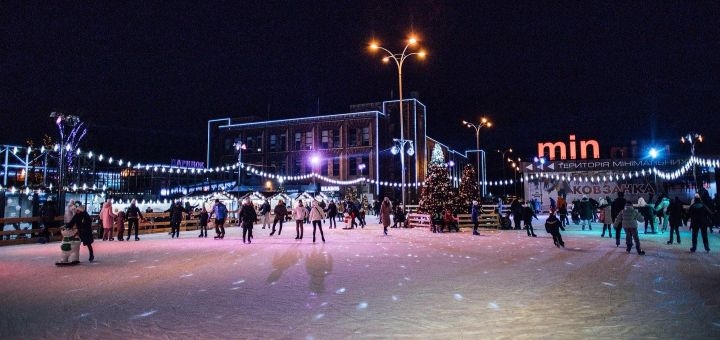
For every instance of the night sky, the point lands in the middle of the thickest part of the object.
(146, 76)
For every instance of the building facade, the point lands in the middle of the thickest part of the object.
(341, 147)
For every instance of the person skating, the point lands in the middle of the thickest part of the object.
(552, 226)
(661, 210)
(384, 212)
(299, 214)
(133, 216)
(629, 219)
(648, 214)
(247, 218)
(220, 212)
(83, 222)
(562, 211)
(280, 213)
(47, 216)
(332, 214)
(586, 212)
(475, 217)
(120, 225)
(675, 211)
(176, 214)
(606, 217)
(700, 215)
(528, 213)
(107, 218)
(316, 216)
(516, 208)
(265, 213)
(616, 207)
(203, 219)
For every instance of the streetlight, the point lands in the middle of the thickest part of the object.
(502, 165)
(314, 162)
(361, 167)
(239, 147)
(654, 153)
(399, 59)
(68, 140)
(483, 122)
(692, 138)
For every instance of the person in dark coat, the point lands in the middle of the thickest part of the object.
(676, 212)
(176, 214)
(133, 216)
(247, 218)
(516, 210)
(48, 212)
(586, 212)
(265, 213)
(280, 211)
(332, 213)
(204, 217)
(552, 226)
(616, 207)
(83, 222)
(700, 215)
(528, 213)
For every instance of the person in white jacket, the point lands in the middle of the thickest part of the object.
(299, 213)
(316, 216)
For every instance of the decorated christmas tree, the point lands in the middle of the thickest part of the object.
(437, 192)
(469, 190)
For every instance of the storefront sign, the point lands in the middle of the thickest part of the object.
(187, 164)
(551, 149)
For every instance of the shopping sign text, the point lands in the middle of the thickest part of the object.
(551, 149)
(608, 189)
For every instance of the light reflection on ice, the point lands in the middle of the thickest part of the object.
(493, 305)
(659, 291)
(457, 297)
(186, 275)
(146, 314)
(394, 298)
(340, 291)
(608, 284)
(319, 316)
(362, 305)
(83, 315)
(238, 282)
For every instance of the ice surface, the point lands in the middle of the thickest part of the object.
(360, 284)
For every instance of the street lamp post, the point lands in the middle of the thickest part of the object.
(240, 146)
(399, 59)
(399, 147)
(361, 167)
(692, 138)
(502, 164)
(483, 122)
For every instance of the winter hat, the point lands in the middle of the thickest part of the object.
(641, 202)
(475, 202)
(584, 196)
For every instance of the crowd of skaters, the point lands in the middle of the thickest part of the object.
(614, 214)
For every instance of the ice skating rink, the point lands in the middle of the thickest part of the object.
(361, 284)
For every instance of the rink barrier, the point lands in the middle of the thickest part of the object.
(485, 220)
(152, 223)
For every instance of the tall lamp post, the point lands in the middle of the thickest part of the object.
(692, 139)
(399, 147)
(239, 147)
(68, 140)
(361, 167)
(399, 59)
(502, 164)
(484, 122)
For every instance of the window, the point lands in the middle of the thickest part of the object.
(273, 143)
(297, 167)
(352, 166)
(325, 139)
(352, 137)
(366, 136)
(309, 140)
(336, 167)
(336, 138)
(298, 140)
(282, 142)
(324, 167)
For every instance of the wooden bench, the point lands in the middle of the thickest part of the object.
(415, 220)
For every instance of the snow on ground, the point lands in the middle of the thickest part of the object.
(361, 284)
